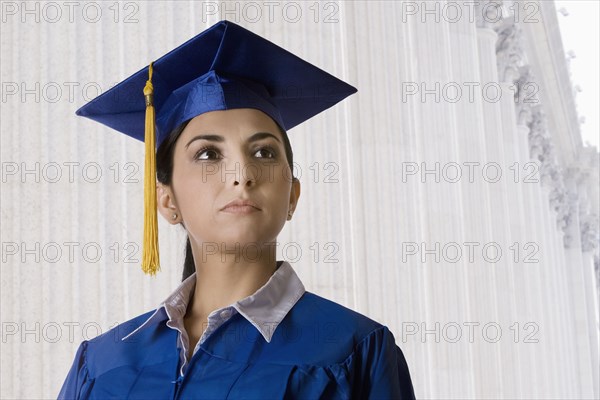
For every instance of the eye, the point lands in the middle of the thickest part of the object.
(266, 152)
(206, 153)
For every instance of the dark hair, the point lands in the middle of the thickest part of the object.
(164, 174)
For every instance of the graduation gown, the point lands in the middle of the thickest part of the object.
(319, 350)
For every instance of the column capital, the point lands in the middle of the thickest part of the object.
(509, 50)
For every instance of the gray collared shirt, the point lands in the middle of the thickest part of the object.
(264, 309)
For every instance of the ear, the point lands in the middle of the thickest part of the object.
(294, 196)
(166, 204)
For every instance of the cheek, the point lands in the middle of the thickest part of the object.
(280, 187)
(196, 194)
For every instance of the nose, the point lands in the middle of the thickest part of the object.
(244, 181)
(246, 173)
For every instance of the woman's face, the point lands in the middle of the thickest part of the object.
(221, 157)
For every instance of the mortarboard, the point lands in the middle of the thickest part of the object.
(223, 67)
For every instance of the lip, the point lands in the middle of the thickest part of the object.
(241, 206)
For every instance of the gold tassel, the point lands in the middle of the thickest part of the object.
(150, 257)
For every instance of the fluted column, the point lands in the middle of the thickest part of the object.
(445, 285)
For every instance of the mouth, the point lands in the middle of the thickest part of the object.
(241, 207)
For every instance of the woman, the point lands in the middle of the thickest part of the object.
(241, 324)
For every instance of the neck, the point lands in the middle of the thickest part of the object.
(224, 276)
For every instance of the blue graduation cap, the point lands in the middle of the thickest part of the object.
(224, 67)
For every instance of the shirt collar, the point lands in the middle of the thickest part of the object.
(264, 309)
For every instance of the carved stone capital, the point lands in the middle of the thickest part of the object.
(525, 99)
(589, 226)
(509, 50)
(540, 145)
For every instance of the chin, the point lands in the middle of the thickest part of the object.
(241, 239)
(244, 235)
(245, 249)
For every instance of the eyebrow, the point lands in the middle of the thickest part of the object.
(220, 139)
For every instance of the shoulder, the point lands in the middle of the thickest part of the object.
(325, 311)
(325, 331)
(118, 332)
(337, 343)
(116, 347)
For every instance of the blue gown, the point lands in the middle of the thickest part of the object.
(320, 350)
